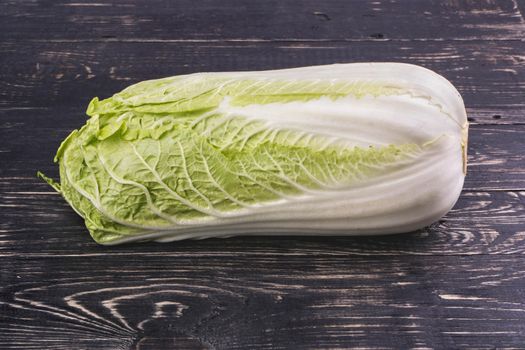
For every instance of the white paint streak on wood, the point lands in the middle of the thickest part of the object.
(462, 297)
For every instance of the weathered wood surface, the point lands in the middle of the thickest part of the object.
(269, 20)
(40, 224)
(457, 284)
(270, 300)
(495, 151)
(489, 74)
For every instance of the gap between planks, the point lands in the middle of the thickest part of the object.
(257, 41)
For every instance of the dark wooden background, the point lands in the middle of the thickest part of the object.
(457, 284)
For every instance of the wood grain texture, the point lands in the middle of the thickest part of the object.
(274, 20)
(39, 223)
(495, 152)
(458, 284)
(269, 301)
(488, 74)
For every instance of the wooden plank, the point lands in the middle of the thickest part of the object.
(38, 223)
(275, 20)
(488, 74)
(496, 115)
(268, 301)
(488, 219)
(495, 155)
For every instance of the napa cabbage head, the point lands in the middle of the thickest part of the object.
(340, 149)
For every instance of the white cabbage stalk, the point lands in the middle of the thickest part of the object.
(346, 149)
